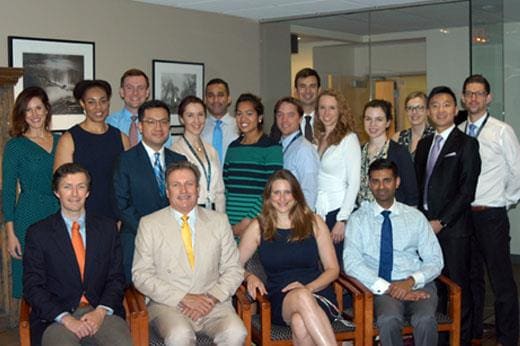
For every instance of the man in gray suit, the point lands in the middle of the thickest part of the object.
(186, 262)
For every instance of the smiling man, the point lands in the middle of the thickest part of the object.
(73, 276)
(448, 165)
(186, 262)
(299, 155)
(139, 187)
(391, 248)
(498, 189)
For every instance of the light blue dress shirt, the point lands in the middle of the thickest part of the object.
(122, 120)
(417, 252)
(301, 158)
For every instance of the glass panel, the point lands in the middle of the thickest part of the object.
(487, 48)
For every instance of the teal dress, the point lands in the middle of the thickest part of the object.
(28, 164)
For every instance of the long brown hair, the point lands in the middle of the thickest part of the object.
(18, 124)
(345, 123)
(301, 216)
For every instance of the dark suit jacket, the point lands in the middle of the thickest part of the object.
(135, 188)
(453, 182)
(407, 192)
(51, 278)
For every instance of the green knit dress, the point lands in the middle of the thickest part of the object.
(28, 164)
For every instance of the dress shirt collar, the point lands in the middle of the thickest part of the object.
(80, 220)
(479, 122)
(378, 209)
(151, 153)
(192, 220)
(126, 112)
(226, 119)
(288, 139)
(445, 134)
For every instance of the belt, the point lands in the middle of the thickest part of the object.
(480, 208)
(204, 206)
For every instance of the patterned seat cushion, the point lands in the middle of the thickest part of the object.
(156, 340)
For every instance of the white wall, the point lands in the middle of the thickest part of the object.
(130, 34)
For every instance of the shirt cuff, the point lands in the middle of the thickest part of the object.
(110, 311)
(418, 277)
(380, 286)
(59, 318)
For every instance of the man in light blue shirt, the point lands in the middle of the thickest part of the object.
(134, 90)
(392, 249)
(299, 155)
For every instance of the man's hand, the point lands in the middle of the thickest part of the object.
(436, 225)
(399, 289)
(416, 295)
(338, 232)
(80, 328)
(94, 319)
(196, 306)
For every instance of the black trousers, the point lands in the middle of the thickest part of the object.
(490, 249)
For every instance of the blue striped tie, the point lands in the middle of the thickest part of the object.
(386, 254)
(159, 174)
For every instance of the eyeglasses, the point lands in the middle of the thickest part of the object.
(153, 122)
(470, 94)
(412, 109)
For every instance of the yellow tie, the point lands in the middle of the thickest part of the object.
(186, 238)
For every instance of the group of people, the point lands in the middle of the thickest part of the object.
(115, 197)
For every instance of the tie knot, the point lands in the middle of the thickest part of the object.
(75, 227)
(438, 139)
(185, 218)
(133, 118)
(386, 213)
(157, 156)
(219, 122)
(308, 118)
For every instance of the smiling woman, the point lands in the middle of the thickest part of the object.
(94, 144)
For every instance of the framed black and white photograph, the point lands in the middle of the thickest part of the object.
(174, 80)
(56, 66)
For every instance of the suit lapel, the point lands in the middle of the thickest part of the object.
(64, 244)
(448, 147)
(148, 173)
(92, 238)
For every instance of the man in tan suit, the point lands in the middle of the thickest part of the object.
(186, 262)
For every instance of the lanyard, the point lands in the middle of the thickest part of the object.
(479, 128)
(292, 141)
(207, 172)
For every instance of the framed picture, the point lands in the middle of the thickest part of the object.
(56, 66)
(173, 80)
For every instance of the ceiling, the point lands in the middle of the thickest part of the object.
(268, 10)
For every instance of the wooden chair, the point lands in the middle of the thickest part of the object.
(147, 336)
(134, 317)
(445, 323)
(263, 332)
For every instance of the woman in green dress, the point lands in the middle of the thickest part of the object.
(27, 163)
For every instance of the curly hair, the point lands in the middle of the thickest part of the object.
(301, 216)
(18, 124)
(344, 125)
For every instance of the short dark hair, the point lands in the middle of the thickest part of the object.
(256, 101)
(381, 164)
(18, 124)
(82, 86)
(441, 90)
(152, 104)
(218, 81)
(68, 169)
(134, 72)
(291, 100)
(385, 106)
(189, 100)
(477, 78)
(304, 73)
(177, 166)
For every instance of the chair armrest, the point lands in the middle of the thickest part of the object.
(368, 308)
(24, 326)
(138, 316)
(244, 311)
(454, 296)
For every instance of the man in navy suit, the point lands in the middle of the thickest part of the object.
(139, 187)
(73, 277)
(448, 165)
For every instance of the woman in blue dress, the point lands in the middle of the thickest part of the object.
(297, 254)
(27, 163)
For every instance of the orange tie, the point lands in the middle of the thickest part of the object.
(79, 250)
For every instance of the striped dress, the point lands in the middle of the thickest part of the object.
(247, 168)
